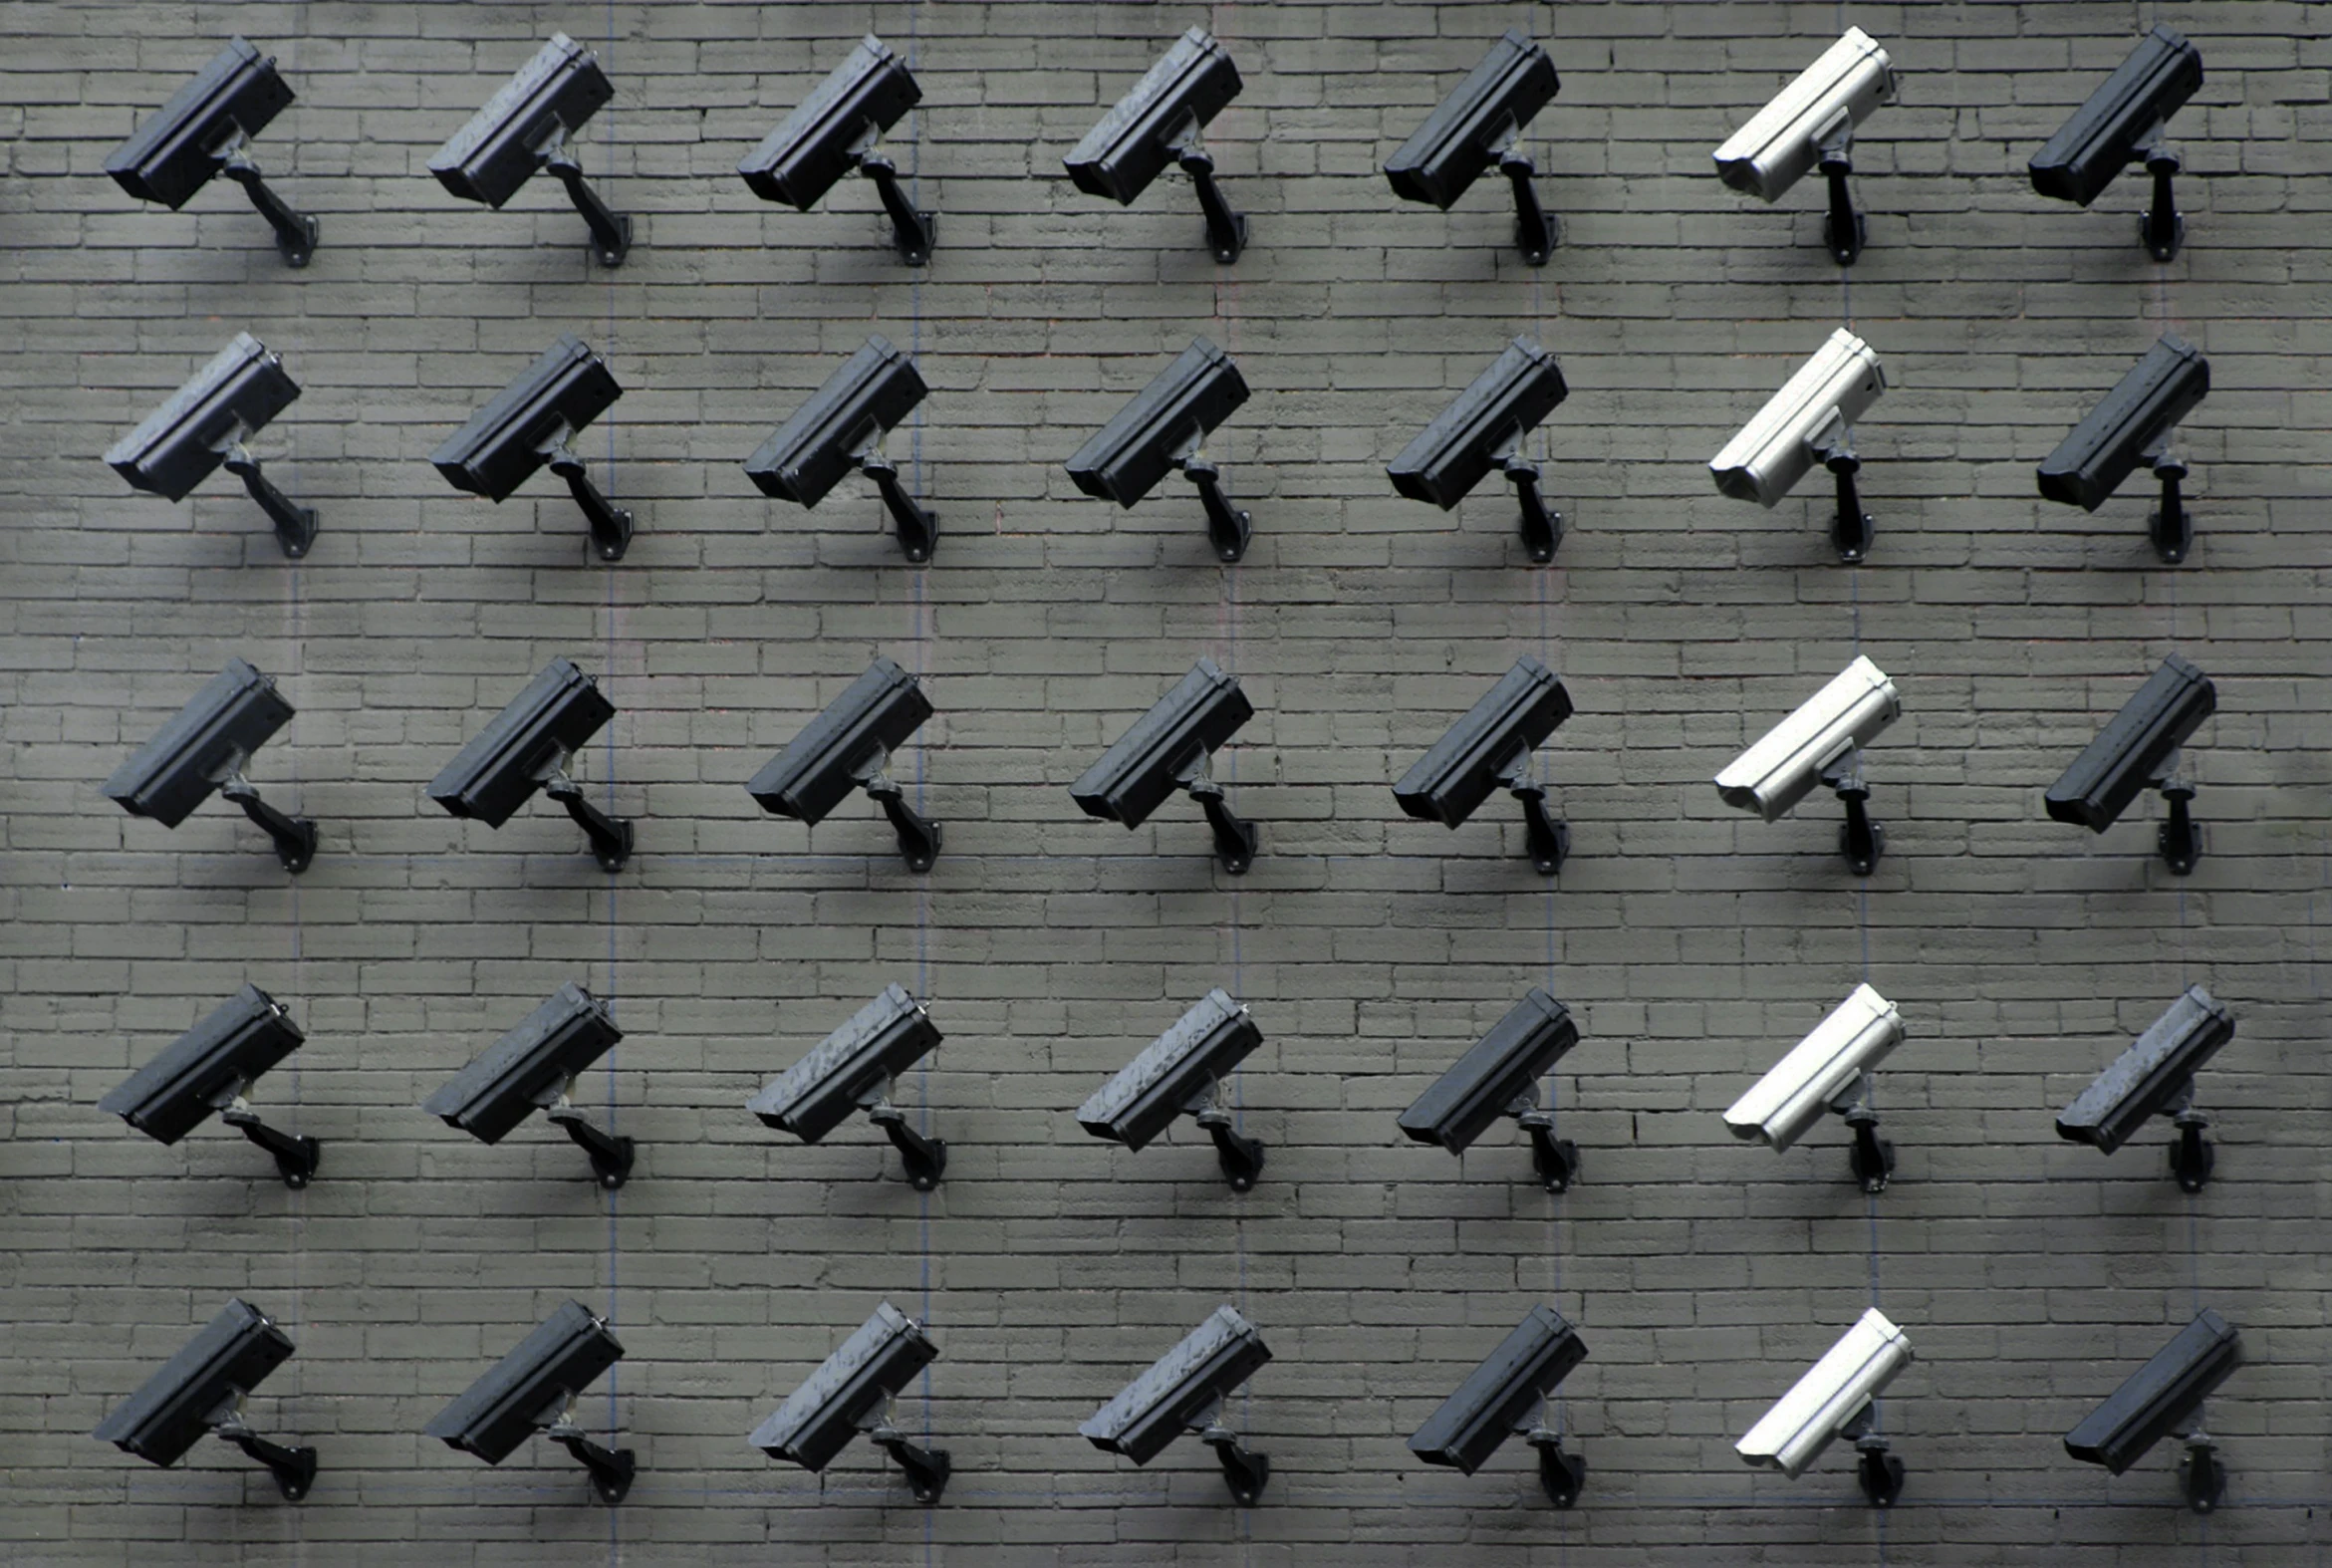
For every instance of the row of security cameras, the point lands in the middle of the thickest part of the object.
(536, 1387)
(525, 126)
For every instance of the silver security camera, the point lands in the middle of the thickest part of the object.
(527, 747)
(534, 1389)
(204, 130)
(531, 1069)
(1187, 1389)
(530, 423)
(2156, 1077)
(834, 132)
(1506, 1396)
(1829, 1070)
(1180, 1072)
(1812, 122)
(2133, 424)
(1490, 748)
(2121, 124)
(1498, 1077)
(1832, 1401)
(523, 128)
(1810, 420)
(851, 1391)
(1821, 743)
(204, 424)
(1168, 749)
(201, 1390)
(1483, 429)
(842, 428)
(1479, 125)
(1165, 427)
(206, 1070)
(2161, 1397)
(847, 747)
(2139, 749)
(1159, 122)
(203, 749)
(853, 1069)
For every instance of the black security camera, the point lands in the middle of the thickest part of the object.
(205, 423)
(1159, 122)
(526, 747)
(1506, 1396)
(529, 423)
(534, 1389)
(531, 1069)
(1479, 125)
(2164, 1397)
(2133, 425)
(204, 131)
(1165, 427)
(523, 128)
(848, 746)
(1168, 749)
(2156, 1077)
(834, 132)
(1490, 748)
(2121, 124)
(201, 1390)
(1498, 1077)
(842, 428)
(1187, 1389)
(1180, 1074)
(206, 1070)
(203, 749)
(851, 1391)
(2139, 750)
(1483, 429)
(853, 1069)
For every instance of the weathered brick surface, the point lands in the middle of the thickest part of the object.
(1692, 943)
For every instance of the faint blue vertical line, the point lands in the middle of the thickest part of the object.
(608, 140)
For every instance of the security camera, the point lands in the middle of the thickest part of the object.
(835, 130)
(1829, 1070)
(1832, 1401)
(1165, 427)
(2121, 124)
(1483, 429)
(2164, 1397)
(1506, 1396)
(842, 428)
(203, 749)
(201, 1390)
(1168, 749)
(206, 1069)
(529, 423)
(534, 1389)
(851, 1391)
(1498, 1077)
(531, 1069)
(853, 1069)
(1178, 1073)
(1811, 124)
(1187, 1389)
(1810, 419)
(1159, 122)
(2156, 1077)
(526, 747)
(204, 130)
(2139, 750)
(847, 747)
(205, 423)
(523, 128)
(2134, 424)
(1479, 125)
(1492, 748)
(1821, 743)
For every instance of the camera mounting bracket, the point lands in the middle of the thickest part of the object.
(294, 1470)
(1536, 231)
(1851, 532)
(295, 1156)
(2191, 1155)
(1227, 527)
(1860, 841)
(1843, 229)
(1236, 838)
(1226, 231)
(912, 234)
(1241, 1157)
(295, 837)
(1555, 1159)
(295, 526)
(1542, 526)
(926, 1469)
(2160, 228)
(2170, 526)
(611, 1156)
(1549, 839)
(1560, 1474)
(611, 525)
(611, 231)
(918, 525)
(611, 1470)
(926, 1159)
(2179, 840)
(295, 232)
(2202, 1478)
(919, 836)
(610, 837)
(1243, 1471)
(1872, 1159)
(1879, 1472)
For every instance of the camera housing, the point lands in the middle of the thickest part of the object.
(1180, 1072)
(848, 746)
(1483, 429)
(1832, 1401)
(1498, 1076)
(1506, 1396)
(2156, 1077)
(853, 1069)
(835, 130)
(534, 1389)
(1165, 427)
(1491, 747)
(1169, 748)
(523, 128)
(2121, 124)
(532, 421)
(531, 1069)
(842, 428)
(202, 749)
(2139, 749)
(1187, 1389)
(1809, 123)
(1821, 743)
(2161, 1397)
(206, 1070)
(204, 131)
(526, 747)
(1829, 1070)
(851, 1391)
(1810, 420)
(1159, 122)
(204, 424)
(201, 1390)
(1479, 123)
(2134, 423)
